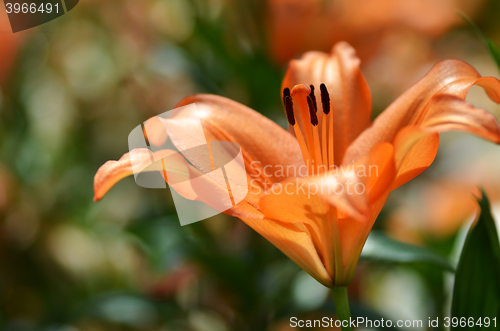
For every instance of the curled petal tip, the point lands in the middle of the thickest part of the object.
(492, 87)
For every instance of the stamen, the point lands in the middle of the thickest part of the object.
(324, 141)
(325, 99)
(314, 122)
(286, 93)
(303, 147)
(312, 111)
(313, 97)
(331, 138)
(326, 103)
(289, 109)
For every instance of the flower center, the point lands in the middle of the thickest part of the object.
(314, 135)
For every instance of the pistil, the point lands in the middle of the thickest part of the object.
(300, 94)
(288, 103)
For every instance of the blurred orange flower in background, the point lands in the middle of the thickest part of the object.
(439, 208)
(10, 44)
(320, 228)
(296, 26)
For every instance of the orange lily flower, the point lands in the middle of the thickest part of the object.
(296, 26)
(10, 44)
(305, 215)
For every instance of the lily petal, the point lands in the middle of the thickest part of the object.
(434, 104)
(304, 203)
(415, 152)
(448, 112)
(300, 206)
(349, 92)
(263, 142)
(353, 233)
(295, 244)
(266, 147)
(112, 171)
(177, 170)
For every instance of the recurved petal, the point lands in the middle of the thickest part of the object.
(416, 146)
(349, 93)
(113, 171)
(434, 104)
(171, 166)
(447, 112)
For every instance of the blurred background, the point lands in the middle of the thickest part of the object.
(71, 91)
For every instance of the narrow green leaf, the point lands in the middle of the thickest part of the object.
(490, 44)
(381, 248)
(494, 51)
(477, 281)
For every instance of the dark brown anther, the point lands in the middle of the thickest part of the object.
(289, 108)
(312, 111)
(325, 99)
(313, 97)
(286, 93)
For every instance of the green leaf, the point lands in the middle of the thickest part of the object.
(477, 281)
(494, 51)
(490, 44)
(381, 248)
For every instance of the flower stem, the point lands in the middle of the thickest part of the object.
(341, 301)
